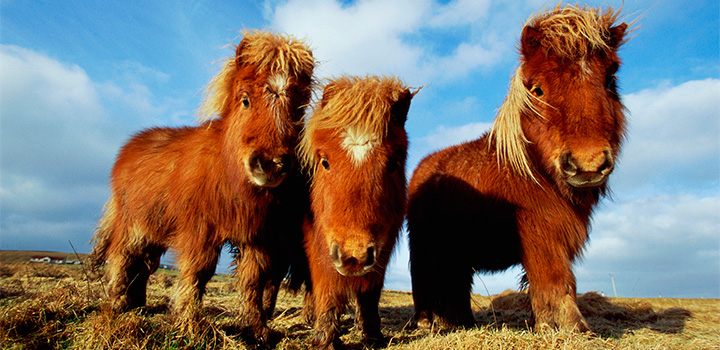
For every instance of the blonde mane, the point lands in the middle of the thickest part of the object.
(268, 53)
(351, 102)
(507, 132)
(572, 32)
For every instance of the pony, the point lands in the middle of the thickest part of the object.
(194, 189)
(523, 193)
(354, 149)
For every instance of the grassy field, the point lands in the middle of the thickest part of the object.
(57, 306)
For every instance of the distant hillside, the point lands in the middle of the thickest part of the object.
(21, 256)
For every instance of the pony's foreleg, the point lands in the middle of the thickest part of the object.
(252, 276)
(308, 311)
(277, 272)
(196, 269)
(329, 306)
(270, 294)
(368, 316)
(552, 288)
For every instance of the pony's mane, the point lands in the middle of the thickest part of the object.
(268, 53)
(507, 132)
(573, 31)
(353, 102)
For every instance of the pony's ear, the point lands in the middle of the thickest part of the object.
(239, 50)
(328, 93)
(617, 35)
(530, 40)
(400, 108)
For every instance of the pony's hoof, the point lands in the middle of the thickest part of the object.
(423, 323)
(374, 340)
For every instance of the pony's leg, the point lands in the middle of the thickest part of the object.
(252, 276)
(277, 272)
(272, 287)
(368, 316)
(552, 289)
(119, 278)
(423, 288)
(329, 306)
(129, 272)
(142, 266)
(453, 303)
(196, 269)
(308, 311)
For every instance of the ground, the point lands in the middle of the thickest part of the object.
(59, 306)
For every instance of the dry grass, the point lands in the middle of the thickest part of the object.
(54, 307)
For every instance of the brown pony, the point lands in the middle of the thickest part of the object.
(524, 193)
(354, 147)
(193, 189)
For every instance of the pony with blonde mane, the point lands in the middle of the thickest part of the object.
(524, 192)
(194, 189)
(354, 147)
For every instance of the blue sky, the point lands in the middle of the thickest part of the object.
(78, 78)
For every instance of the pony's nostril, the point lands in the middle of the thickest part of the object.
(335, 254)
(256, 162)
(283, 162)
(567, 165)
(607, 165)
(370, 256)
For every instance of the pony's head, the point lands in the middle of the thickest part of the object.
(260, 97)
(355, 146)
(563, 115)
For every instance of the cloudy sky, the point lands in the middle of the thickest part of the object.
(78, 78)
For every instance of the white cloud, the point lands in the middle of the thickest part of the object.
(460, 12)
(673, 139)
(52, 119)
(377, 37)
(444, 136)
(58, 139)
(660, 245)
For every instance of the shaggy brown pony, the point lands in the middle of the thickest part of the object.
(193, 189)
(524, 192)
(354, 147)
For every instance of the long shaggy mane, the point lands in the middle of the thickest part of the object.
(351, 102)
(506, 132)
(268, 53)
(573, 31)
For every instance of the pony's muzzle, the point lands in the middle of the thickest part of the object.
(353, 261)
(588, 169)
(267, 171)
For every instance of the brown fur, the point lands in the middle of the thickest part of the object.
(523, 193)
(193, 189)
(355, 204)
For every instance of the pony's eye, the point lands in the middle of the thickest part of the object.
(325, 164)
(392, 166)
(610, 79)
(537, 91)
(245, 101)
(611, 82)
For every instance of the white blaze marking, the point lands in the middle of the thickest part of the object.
(358, 144)
(278, 83)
